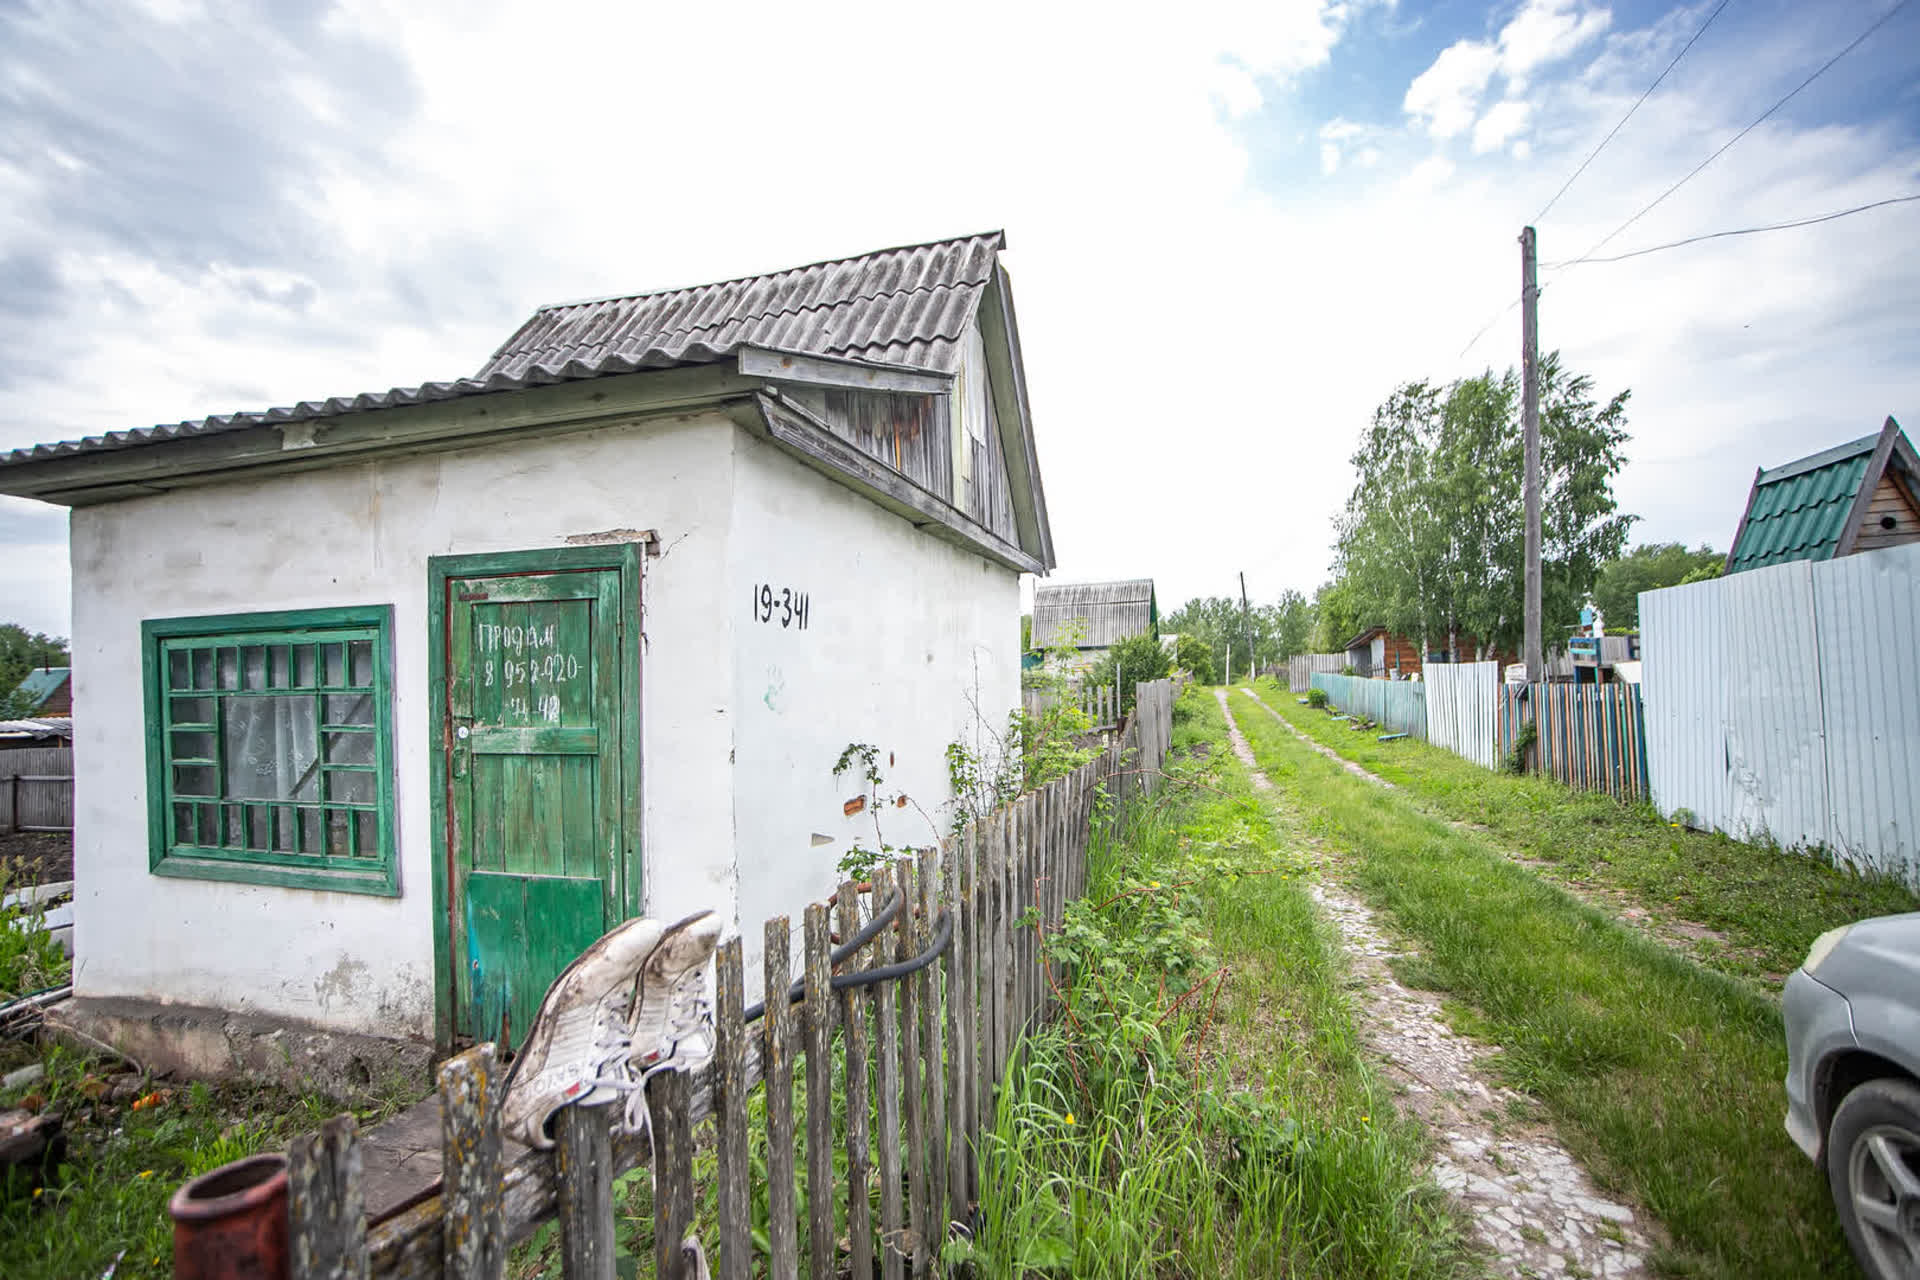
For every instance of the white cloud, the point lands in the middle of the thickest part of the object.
(1503, 122)
(1329, 158)
(1446, 96)
(1544, 32)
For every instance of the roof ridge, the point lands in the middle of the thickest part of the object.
(1000, 235)
(748, 317)
(1824, 458)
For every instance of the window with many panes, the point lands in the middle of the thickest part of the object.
(270, 748)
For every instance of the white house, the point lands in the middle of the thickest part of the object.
(389, 704)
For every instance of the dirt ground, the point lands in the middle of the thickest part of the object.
(37, 857)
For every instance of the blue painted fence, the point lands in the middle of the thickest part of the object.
(1398, 705)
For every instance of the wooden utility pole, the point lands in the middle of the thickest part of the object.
(1532, 651)
(1246, 622)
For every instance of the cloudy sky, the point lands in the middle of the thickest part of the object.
(1233, 227)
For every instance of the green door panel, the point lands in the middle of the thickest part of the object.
(521, 932)
(533, 739)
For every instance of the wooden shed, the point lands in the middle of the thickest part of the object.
(1859, 496)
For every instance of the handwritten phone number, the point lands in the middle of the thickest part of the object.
(784, 604)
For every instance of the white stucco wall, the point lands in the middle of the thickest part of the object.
(741, 719)
(906, 635)
(357, 535)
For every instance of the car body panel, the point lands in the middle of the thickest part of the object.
(1819, 1027)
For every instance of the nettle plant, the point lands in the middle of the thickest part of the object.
(1035, 747)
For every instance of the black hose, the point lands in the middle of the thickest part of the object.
(870, 977)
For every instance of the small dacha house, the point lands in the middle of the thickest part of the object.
(388, 705)
(1859, 496)
(1092, 617)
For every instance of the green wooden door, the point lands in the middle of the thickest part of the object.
(532, 743)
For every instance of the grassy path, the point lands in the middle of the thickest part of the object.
(1662, 1077)
(1745, 911)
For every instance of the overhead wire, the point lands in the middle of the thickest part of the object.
(1741, 231)
(1630, 110)
(1695, 171)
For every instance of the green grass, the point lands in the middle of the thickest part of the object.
(109, 1198)
(30, 960)
(1663, 1077)
(1769, 903)
(1161, 1130)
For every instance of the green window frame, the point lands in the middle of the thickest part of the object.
(270, 748)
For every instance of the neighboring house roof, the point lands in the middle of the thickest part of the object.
(1812, 509)
(37, 729)
(1106, 612)
(42, 683)
(1366, 634)
(896, 306)
(909, 306)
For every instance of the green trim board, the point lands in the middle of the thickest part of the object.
(522, 577)
(310, 692)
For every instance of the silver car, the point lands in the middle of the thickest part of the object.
(1853, 1083)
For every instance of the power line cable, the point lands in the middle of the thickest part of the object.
(1496, 320)
(1742, 231)
(1630, 110)
(1881, 22)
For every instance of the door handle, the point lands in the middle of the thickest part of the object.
(462, 752)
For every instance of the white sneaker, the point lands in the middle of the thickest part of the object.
(671, 1027)
(579, 1046)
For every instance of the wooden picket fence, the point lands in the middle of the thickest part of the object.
(939, 970)
(36, 789)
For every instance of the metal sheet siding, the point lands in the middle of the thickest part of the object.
(1108, 612)
(1784, 703)
(1463, 700)
(1396, 705)
(1683, 684)
(1867, 608)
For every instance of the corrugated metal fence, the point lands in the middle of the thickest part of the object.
(1400, 705)
(36, 789)
(1588, 735)
(1302, 667)
(1784, 704)
(1463, 699)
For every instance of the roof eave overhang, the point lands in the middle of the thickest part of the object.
(1007, 378)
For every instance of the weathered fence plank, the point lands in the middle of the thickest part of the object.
(474, 1246)
(853, 1030)
(730, 1113)
(776, 1053)
(818, 1022)
(892, 1212)
(670, 1107)
(583, 1160)
(913, 1066)
(326, 1209)
(933, 1051)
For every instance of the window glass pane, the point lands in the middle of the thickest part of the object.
(202, 668)
(253, 667)
(235, 826)
(367, 833)
(192, 745)
(279, 667)
(350, 708)
(193, 710)
(209, 825)
(229, 668)
(350, 788)
(304, 668)
(339, 833)
(179, 669)
(194, 780)
(310, 831)
(259, 827)
(360, 661)
(286, 829)
(271, 744)
(350, 748)
(185, 824)
(334, 656)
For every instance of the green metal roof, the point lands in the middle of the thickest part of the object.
(1799, 511)
(40, 683)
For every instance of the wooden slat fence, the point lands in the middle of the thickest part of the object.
(1591, 736)
(36, 789)
(1099, 702)
(895, 1040)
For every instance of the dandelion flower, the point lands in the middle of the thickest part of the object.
(1155, 884)
(1366, 1119)
(146, 1173)
(37, 1192)
(1069, 1117)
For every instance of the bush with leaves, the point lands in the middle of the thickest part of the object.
(1134, 659)
(1192, 655)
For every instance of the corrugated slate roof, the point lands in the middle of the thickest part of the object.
(1799, 511)
(1108, 612)
(910, 306)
